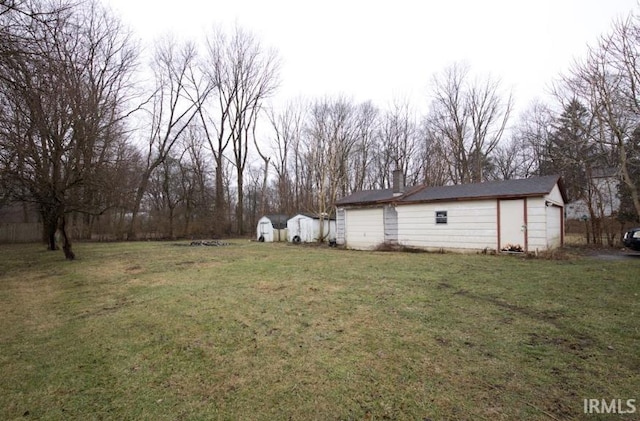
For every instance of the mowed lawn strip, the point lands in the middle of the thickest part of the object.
(277, 331)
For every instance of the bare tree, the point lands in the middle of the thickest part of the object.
(505, 161)
(471, 116)
(331, 135)
(398, 143)
(167, 193)
(216, 119)
(448, 120)
(530, 139)
(128, 166)
(258, 197)
(287, 128)
(610, 77)
(176, 101)
(244, 75)
(195, 180)
(433, 167)
(65, 81)
(362, 155)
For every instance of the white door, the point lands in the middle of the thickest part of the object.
(265, 232)
(512, 224)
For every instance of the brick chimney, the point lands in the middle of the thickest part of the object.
(398, 182)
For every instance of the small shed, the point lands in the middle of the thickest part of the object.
(308, 228)
(272, 228)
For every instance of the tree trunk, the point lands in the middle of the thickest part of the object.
(142, 188)
(120, 228)
(49, 227)
(66, 246)
(187, 220)
(586, 231)
(240, 206)
(263, 192)
(50, 234)
(219, 215)
(171, 223)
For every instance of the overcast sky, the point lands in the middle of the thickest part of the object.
(381, 50)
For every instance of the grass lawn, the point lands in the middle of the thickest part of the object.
(154, 331)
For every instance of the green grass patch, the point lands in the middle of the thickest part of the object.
(154, 331)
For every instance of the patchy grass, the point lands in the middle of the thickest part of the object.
(273, 331)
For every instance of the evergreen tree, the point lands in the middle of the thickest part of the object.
(568, 151)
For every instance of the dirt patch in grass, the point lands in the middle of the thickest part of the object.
(394, 247)
(134, 269)
(270, 286)
(543, 315)
(578, 344)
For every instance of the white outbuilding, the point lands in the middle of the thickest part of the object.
(272, 228)
(513, 215)
(308, 228)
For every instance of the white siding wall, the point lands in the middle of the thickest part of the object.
(470, 225)
(340, 226)
(555, 196)
(364, 228)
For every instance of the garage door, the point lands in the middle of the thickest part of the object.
(364, 228)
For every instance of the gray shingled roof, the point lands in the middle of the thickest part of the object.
(367, 196)
(534, 186)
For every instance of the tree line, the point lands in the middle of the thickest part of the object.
(192, 145)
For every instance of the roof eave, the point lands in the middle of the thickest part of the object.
(367, 203)
(563, 190)
(468, 199)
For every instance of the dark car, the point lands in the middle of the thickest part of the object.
(631, 239)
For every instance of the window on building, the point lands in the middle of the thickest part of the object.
(441, 217)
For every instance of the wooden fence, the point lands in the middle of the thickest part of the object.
(21, 232)
(31, 232)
